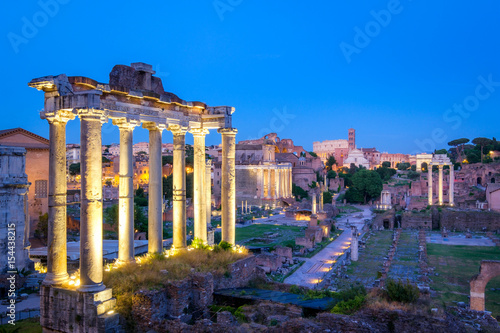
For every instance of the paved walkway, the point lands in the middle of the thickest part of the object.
(313, 270)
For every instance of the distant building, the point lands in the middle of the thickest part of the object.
(140, 147)
(336, 148)
(37, 169)
(351, 137)
(493, 196)
(395, 159)
(357, 158)
(72, 154)
(373, 157)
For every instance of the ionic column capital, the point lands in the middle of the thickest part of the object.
(199, 132)
(153, 126)
(99, 114)
(177, 129)
(58, 116)
(227, 131)
(126, 124)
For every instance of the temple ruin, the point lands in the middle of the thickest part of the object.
(133, 97)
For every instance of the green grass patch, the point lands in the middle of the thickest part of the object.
(257, 235)
(456, 265)
(31, 325)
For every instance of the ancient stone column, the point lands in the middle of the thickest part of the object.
(57, 252)
(199, 195)
(440, 185)
(429, 178)
(268, 180)
(290, 183)
(354, 243)
(91, 230)
(262, 182)
(179, 186)
(321, 201)
(228, 185)
(246, 207)
(208, 191)
(451, 189)
(155, 190)
(277, 177)
(314, 204)
(126, 192)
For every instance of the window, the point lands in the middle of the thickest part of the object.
(40, 189)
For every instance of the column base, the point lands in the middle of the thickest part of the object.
(119, 262)
(66, 310)
(55, 279)
(92, 288)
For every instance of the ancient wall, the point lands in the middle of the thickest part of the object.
(14, 244)
(416, 220)
(472, 220)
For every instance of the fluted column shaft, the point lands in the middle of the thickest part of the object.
(429, 178)
(262, 183)
(155, 191)
(208, 191)
(199, 195)
(440, 185)
(290, 183)
(179, 187)
(452, 186)
(91, 230)
(126, 193)
(57, 271)
(228, 184)
(269, 187)
(278, 182)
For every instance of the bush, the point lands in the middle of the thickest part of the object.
(402, 292)
(225, 245)
(349, 306)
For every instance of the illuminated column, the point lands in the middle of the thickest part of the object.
(57, 271)
(91, 254)
(155, 189)
(290, 183)
(452, 186)
(277, 175)
(268, 183)
(208, 190)
(228, 185)
(126, 192)
(440, 185)
(314, 204)
(321, 201)
(429, 178)
(199, 195)
(262, 182)
(179, 186)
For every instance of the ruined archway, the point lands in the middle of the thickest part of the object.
(479, 181)
(488, 270)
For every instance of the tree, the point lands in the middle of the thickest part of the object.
(298, 192)
(347, 179)
(413, 175)
(167, 160)
(385, 173)
(386, 164)
(111, 215)
(368, 183)
(330, 162)
(441, 152)
(140, 220)
(482, 142)
(74, 169)
(105, 160)
(353, 196)
(327, 197)
(459, 146)
(331, 174)
(413, 167)
(140, 197)
(42, 229)
(403, 166)
(313, 154)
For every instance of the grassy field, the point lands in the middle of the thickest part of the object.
(370, 260)
(31, 325)
(255, 235)
(456, 265)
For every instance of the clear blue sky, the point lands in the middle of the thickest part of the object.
(281, 64)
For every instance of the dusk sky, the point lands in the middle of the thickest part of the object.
(393, 70)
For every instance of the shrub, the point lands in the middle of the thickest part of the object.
(350, 306)
(402, 292)
(198, 243)
(225, 245)
(295, 290)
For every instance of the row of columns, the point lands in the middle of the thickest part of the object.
(91, 215)
(275, 183)
(451, 190)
